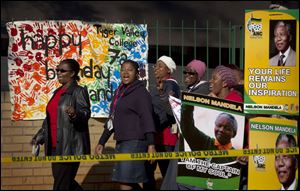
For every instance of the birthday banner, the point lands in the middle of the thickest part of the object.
(37, 47)
(272, 84)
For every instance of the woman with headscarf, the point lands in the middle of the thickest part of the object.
(165, 139)
(239, 74)
(193, 77)
(222, 83)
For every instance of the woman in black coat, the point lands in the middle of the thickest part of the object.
(65, 128)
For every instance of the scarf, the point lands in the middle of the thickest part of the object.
(222, 147)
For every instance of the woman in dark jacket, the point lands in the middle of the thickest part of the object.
(132, 125)
(193, 77)
(65, 128)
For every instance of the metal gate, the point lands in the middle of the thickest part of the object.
(215, 44)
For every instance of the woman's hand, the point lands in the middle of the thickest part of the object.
(33, 141)
(159, 85)
(70, 111)
(99, 149)
(151, 149)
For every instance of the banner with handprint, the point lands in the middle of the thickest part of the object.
(270, 172)
(37, 47)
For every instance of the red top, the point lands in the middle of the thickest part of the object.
(234, 96)
(52, 109)
(165, 137)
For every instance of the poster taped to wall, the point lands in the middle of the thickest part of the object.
(272, 62)
(268, 172)
(37, 47)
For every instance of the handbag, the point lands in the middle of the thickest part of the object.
(35, 150)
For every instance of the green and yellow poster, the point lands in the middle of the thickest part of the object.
(272, 62)
(209, 123)
(271, 172)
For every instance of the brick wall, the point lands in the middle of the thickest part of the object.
(15, 138)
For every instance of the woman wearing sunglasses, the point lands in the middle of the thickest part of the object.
(193, 77)
(65, 128)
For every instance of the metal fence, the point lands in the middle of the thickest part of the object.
(235, 39)
(215, 45)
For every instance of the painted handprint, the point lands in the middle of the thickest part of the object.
(27, 84)
(36, 87)
(39, 27)
(73, 27)
(37, 77)
(70, 52)
(15, 86)
(30, 99)
(27, 53)
(27, 27)
(17, 115)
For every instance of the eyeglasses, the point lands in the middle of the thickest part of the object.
(189, 73)
(62, 70)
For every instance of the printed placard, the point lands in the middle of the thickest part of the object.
(271, 81)
(264, 132)
(209, 123)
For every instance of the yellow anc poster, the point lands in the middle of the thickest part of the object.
(272, 62)
(272, 172)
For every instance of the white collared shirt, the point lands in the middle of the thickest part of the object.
(286, 53)
(291, 187)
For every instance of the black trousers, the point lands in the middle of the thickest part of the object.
(64, 176)
(163, 166)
